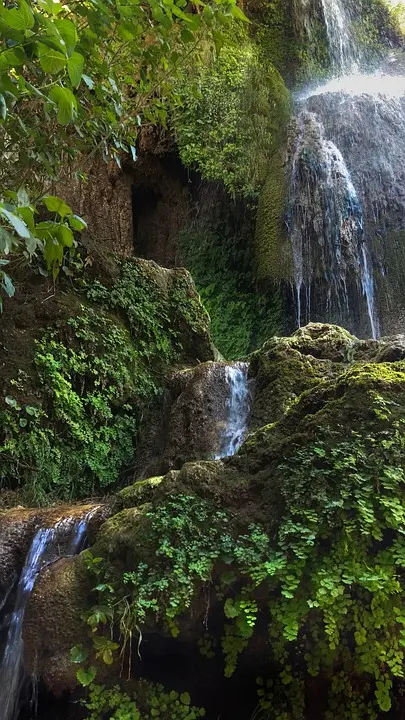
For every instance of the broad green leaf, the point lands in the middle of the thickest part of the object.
(77, 653)
(14, 57)
(28, 217)
(47, 229)
(53, 254)
(86, 677)
(67, 30)
(75, 68)
(65, 236)
(239, 14)
(66, 102)
(16, 222)
(52, 7)
(57, 205)
(179, 13)
(20, 18)
(51, 61)
(77, 223)
(7, 85)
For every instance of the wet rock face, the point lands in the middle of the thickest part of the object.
(18, 527)
(198, 415)
(346, 206)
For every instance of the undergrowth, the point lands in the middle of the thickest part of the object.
(242, 318)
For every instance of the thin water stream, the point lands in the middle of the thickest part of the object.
(238, 407)
(44, 548)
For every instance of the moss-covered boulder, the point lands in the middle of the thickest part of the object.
(83, 381)
(291, 551)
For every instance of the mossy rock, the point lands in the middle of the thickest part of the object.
(317, 490)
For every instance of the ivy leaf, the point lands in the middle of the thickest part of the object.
(86, 677)
(51, 61)
(57, 205)
(77, 653)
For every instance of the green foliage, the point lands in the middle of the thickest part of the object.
(380, 25)
(79, 80)
(230, 120)
(81, 435)
(221, 264)
(149, 702)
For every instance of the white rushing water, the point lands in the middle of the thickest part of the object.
(45, 545)
(342, 47)
(238, 407)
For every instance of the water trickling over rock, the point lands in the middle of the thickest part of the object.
(346, 202)
(45, 548)
(236, 377)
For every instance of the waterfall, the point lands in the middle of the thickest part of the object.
(343, 52)
(238, 406)
(45, 545)
(326, 227)
(346, 203)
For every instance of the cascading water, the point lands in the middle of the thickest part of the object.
(347, 169)
(342, 47)
(45, 545)
(236, 377)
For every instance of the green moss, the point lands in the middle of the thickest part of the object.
(380, 25)
(283, 39)
(272, 250)
(230, 120)
(138, 493)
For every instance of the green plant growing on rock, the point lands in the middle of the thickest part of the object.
(229, 122)
(321, 564)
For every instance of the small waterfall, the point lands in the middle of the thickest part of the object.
(238, 406)
(44, 547)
